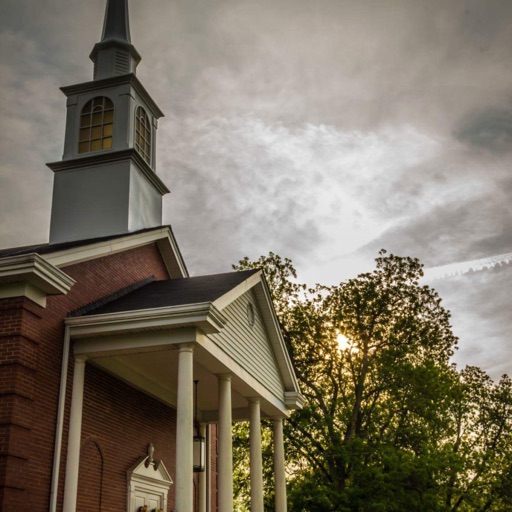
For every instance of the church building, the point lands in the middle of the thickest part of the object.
(121, 375)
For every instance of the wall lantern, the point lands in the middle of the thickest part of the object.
(199, 441)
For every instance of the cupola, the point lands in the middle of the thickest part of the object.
(106, 183)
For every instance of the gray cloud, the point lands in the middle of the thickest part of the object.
(319, 130)
(490, 129)
(480, 306)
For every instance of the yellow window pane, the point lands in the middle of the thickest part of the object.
(95, 145)
(107, 130)
(96, 132)
(85, 134)
(87, 108)
(108, 104)
(83, 147)
(107, 143)
(85, 120)
(96, 119)
(108, 117)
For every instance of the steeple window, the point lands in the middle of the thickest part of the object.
(143, 134)
(96, 125)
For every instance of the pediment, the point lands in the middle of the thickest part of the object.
(153, 472)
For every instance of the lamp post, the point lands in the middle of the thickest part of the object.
(199, 441)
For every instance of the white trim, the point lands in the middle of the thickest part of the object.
(111, 156)
(239, 290)
(162, 236)
(270, 400)
(31, 276)
(276, 337)
(203, 315)
(59, 427)
(153, 478)
(133, 342)
(257, 282)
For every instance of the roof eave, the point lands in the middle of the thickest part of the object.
(204, 316)
(162, 236)
(37, 271)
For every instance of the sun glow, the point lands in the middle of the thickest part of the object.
(343, 342)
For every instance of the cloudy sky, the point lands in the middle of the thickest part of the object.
(321, 130)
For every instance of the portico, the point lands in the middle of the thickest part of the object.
(230, 343)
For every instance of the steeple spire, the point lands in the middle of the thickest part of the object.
(115, 55)
(106, 182)
(117, 24)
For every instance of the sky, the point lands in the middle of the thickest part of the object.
(320, 130)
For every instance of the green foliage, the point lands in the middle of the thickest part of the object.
(389, 424)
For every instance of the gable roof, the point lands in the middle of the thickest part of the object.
(209, 309)
(68, 253)
(175, 292)
(48, 248)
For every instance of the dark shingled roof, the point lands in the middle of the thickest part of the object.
(49, 248)
(175, 292)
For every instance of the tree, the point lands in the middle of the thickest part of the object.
(389, 423)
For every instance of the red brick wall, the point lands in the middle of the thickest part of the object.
(122, 422)
(19, 351)
(31, 340)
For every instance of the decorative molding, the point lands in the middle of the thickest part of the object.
(203, 315)
(148, 476)
(31, 276)
(108, 157)
(294, 400)
(163, 237)
(97, 85)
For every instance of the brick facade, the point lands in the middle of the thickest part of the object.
(118, 421)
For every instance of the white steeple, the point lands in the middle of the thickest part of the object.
(106, 183)
(114, 54)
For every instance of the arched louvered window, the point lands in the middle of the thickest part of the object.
(143, 134)
(96, 125)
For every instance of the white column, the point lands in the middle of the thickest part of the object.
(279, 472)
(225, 457)
(256, 464)
(184, 430)
(203, 474)
(75, 431)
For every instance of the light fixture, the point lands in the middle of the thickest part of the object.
(199, 441)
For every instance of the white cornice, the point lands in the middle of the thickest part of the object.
(239, 290)
(204, 316)
(294, 400)
(107, 157)
(32, 276)
(96, 85)
(37, 271)
(162, 236)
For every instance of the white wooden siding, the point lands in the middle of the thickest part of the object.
(249, 345)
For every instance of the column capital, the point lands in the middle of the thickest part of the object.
(254, 400)
(224, 376)
(186, 347)
(80, 359)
